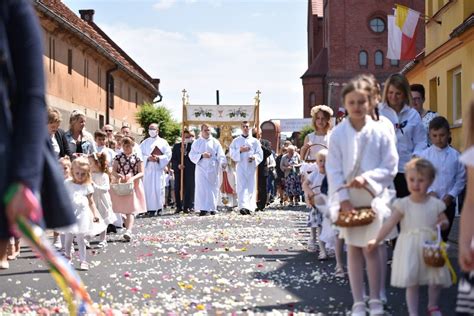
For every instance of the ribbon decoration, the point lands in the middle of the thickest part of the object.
(65, 276)
(443, 246)
(444, 253)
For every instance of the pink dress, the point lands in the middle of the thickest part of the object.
(133, 203)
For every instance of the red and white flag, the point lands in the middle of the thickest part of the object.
(401, 43)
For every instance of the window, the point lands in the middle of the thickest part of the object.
(99, 77)
(434, 94)
(394, 62)
(312, 100)
(377, 25)
(378, 59)
(86, 72)
(363, 59)
(69, 61)
(136, 98)
(456, 86)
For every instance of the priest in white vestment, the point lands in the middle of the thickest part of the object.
(207, 154)
(156, 155)
(247, 152)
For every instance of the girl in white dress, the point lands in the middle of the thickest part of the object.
(361, 154)
(312, 188)
(80, 190)
(418, 215)
(101, 183)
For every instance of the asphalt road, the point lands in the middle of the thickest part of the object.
(183, 264)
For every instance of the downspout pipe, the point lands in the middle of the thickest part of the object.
(108, 95)
(160, 98)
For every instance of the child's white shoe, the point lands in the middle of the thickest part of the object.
(84, 266)
(102, 244)
(376, 307)
(358, 309)
(127, 236)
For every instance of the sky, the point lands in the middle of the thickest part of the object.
(234, 46)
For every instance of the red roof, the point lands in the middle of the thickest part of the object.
(94, 36)
(319, 66)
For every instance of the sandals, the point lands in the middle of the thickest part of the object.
(376, 307)
(339, 272)
(358, 309)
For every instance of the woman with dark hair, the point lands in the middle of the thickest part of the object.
(409, 130)
(58, 136)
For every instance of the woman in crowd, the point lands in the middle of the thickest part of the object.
(409, 130)
(57, 135)
(290, 165)
(418, 97)
(80, 141)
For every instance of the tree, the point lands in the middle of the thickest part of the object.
(308, 129)
(169, 127)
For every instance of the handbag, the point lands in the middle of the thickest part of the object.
(122, 189)
(360, 198)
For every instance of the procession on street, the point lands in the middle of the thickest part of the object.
(363, 205)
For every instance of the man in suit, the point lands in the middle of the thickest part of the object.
(187, 203)
(263, 172)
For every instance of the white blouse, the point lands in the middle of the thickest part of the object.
(450, 173)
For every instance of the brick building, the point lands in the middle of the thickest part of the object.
(346, 38)
(86, 70)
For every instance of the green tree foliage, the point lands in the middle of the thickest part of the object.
(308, 129)
(169, 127)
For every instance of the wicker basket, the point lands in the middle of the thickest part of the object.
(122, 188)
(363, 214)
(360, 216)
(432, 254)
(317, 147)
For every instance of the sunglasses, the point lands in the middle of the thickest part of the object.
(109, 130)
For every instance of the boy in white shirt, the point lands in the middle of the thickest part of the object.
(450, 173)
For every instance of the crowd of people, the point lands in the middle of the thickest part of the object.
(381, 145)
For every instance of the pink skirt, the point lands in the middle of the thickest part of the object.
(130, 204)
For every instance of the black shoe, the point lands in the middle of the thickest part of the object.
(213, 212)
(203, 213)
(243, 212)
(178, 211)
(150, 213)
(111, 229)
(247, 211)
(186, 211)
(158, 213)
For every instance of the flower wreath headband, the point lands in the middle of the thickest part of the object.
(324, 108)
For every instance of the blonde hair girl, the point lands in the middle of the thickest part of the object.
(80, 191)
